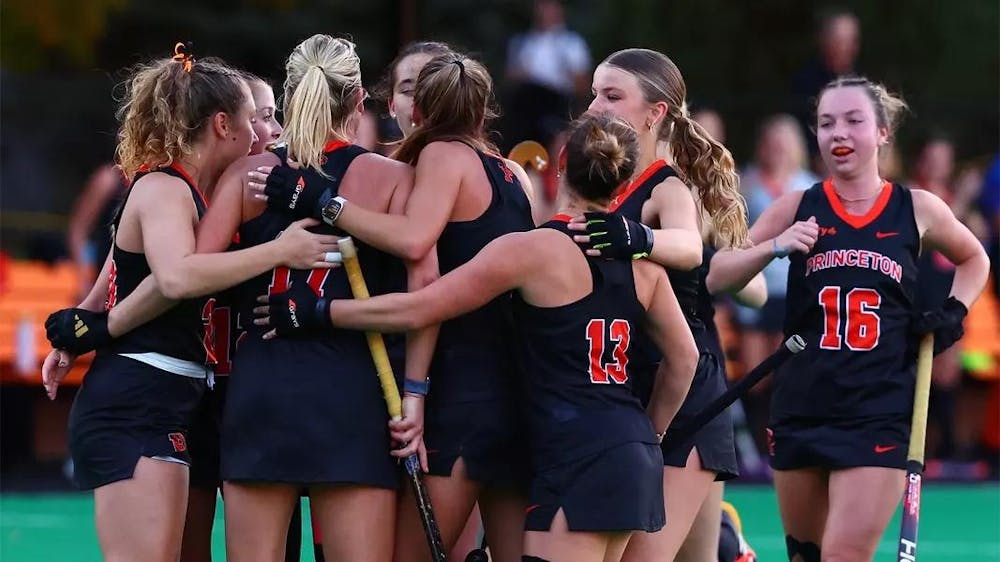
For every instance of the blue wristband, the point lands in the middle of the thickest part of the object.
(416, 387)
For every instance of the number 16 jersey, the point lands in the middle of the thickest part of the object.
(851, 299)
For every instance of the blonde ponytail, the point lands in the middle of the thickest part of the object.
(323, 80)
(708, 167)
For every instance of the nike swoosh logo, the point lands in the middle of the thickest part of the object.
(879, 449)
(881, 235)
(531, 508)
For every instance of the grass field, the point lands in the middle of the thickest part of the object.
(958, 523)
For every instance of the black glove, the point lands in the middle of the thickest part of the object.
(618, 237)
(945, 323)
(77, 331)
(288, 192)
(298, 311)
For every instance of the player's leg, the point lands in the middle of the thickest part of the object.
(559, 543)
(862, 501)
(357, 522)
(702, 541)
(257, 517)
(803, 503)
(684, 490)
(142, 518)
(503, 516)
(452, 498)
(467, 540)
(197, 542)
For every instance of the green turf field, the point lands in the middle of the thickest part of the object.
(958, 523)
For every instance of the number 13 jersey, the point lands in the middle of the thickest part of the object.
(851, 299)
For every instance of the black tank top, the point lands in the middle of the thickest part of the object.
(685, 284)
(576, 361)
(100, 235)
(472, 359)
(178, 332)
(383, 273)
(850, 298)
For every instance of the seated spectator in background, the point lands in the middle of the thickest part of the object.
(547, 67)
(779, 167)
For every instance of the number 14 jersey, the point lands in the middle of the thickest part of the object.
(851, 299)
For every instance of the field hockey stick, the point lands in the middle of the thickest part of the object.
(530, 154)
(791, 346)
(915, 456)
(391, 392)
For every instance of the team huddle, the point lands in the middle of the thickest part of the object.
(541, 365)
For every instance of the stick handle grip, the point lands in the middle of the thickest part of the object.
(921, 398)
(375, 342)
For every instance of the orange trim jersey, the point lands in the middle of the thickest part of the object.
(851, 298)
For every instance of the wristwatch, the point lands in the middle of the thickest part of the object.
(331, 210)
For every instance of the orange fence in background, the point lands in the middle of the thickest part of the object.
(29, 292)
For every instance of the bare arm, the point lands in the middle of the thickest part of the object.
(677, 242)
(668, 329)
(491, 273)
(754, 294)
(943, 232)
(215, 231)
(732, 269)
(529, 188)
(168, 237)
(428, 208)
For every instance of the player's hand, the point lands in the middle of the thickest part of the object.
(611, 235)
(296, 312)
(286, 190)
(409, 431)
(301, 249)
(944, 322)
(77, 330)
(800, 237)
(56, 366)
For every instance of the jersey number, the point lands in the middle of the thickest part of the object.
(219, 340)
(616, 371)
(863, 325)
(281, 279)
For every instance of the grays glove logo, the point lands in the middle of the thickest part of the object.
(291, 314)
(299, 187)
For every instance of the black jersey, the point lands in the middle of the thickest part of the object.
(851, 298)
(706, 308)
(383, 273)
(576, 364)
(178, 332)
(629, 201)
(482, 337)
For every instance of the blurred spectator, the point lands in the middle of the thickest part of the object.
(89, 234)
(779, 167)
(712, 122)
(839, 43)
(548, 67)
